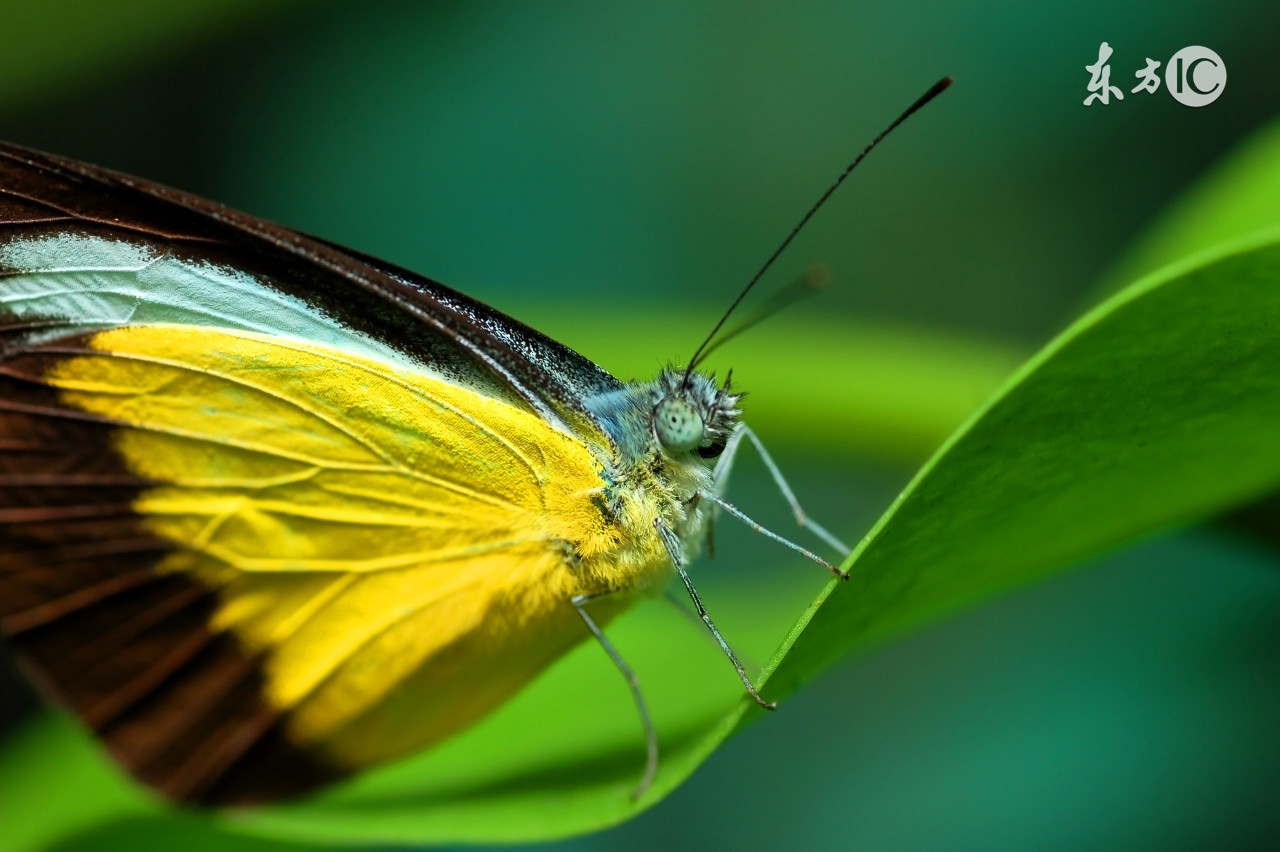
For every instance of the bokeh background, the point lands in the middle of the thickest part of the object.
(572, 161)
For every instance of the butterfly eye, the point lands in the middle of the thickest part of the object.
(677, 425)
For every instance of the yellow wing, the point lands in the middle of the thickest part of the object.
(393, 553)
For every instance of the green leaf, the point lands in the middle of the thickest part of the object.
(48, 760)
(1157, 408)
(559, 759)
(1239, 197)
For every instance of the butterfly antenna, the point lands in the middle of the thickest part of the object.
(814, 279)
(935, 90)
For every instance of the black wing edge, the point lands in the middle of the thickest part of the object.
(426, 320)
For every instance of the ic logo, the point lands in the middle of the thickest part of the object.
(1195, 76)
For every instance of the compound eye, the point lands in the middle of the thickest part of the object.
(677, 425)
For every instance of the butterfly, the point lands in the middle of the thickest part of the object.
(273, 510)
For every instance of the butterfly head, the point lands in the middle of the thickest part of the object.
(693, 414)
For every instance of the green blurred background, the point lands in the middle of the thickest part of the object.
(572, 161)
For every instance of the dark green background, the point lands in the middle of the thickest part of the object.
(555, 157)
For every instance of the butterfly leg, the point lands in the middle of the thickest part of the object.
(742, 516)
(672, 544)
(679, 603)
(650, 735)
(802, 518)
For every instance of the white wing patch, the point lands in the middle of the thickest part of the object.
(93, 283)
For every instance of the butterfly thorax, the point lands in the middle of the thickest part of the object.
(667, 434)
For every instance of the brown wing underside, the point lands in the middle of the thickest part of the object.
(126, 649)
